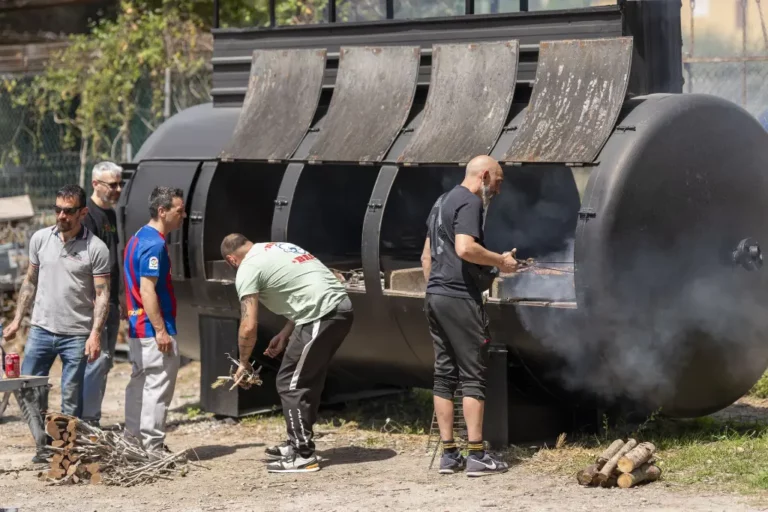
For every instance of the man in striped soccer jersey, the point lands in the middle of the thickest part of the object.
(152, 321)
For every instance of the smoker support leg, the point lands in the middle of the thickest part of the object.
(4, 402)
(29, 400)
(496, 416)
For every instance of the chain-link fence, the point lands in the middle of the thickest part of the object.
(725, 52)
(36, 161)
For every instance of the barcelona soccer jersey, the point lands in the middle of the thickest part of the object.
(146, 255)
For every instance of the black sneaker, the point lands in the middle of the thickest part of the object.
(487, 465)
(452, 462)
(294, 463)
(279, 452)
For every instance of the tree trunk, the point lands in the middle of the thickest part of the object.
(83, 160)
(635, 458)
(645, 473)
(607, 469)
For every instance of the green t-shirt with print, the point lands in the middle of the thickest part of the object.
(290, 282)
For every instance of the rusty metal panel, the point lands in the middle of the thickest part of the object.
(470, 92)
(579, 89)
(282, 97)
(370, 103)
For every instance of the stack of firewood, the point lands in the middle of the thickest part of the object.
(83, 453)
(625, 464)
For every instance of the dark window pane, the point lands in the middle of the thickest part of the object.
(361, 10)
(428, 8)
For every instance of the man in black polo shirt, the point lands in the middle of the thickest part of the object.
(458, 268)
(102, 221)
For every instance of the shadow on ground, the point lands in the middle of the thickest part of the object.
(355, 455)
(214, 451)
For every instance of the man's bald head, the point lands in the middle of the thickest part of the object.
(478, 165)
(483, 177)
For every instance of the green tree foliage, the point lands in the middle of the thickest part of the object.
(89, 88)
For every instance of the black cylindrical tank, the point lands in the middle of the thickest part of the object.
(659, 297)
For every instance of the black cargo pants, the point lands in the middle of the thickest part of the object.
(460, 336)
(302, 373)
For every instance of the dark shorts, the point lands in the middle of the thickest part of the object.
(459, 329)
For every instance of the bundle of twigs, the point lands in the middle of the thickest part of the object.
(249, 377)
(83, 453)
(623, 464)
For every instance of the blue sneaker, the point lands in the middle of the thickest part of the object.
(487, 465)
(450, 463)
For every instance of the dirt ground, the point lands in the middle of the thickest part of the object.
(362, 470)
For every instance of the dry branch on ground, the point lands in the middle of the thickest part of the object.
(83, 453)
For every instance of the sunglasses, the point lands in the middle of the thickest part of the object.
(69, 211)
(114, 185)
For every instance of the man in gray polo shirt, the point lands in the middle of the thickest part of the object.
(68, 279)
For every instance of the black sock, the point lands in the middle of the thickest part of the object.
(449, 446)
(476, 448)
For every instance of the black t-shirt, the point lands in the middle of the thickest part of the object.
(103, 224)
(462, 214)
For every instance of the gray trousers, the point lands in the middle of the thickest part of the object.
(150, 391)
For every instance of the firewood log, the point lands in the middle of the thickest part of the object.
(588, 475)
(52, 430)
(611, 482)
(636, 457)
(96, 478)
(645, 473)
(609, 452)
(65, 463)
(607, 469)
(65, 436)
(55, 473)
(59, 443)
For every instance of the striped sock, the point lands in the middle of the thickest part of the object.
(476, 448)
(449, 446)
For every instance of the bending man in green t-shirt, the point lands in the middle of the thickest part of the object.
(291, 282)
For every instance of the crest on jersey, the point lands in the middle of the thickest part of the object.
(153, 263)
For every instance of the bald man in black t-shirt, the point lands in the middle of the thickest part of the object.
(458, 269)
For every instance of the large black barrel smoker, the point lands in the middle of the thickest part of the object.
(644, 211)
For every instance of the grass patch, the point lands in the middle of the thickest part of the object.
(406, 413)
(699, 452)
(760, 389)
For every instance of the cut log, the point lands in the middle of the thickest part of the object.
(59, 443)
(636, 457)
(75, 479)
(645, 473)
(52, 430)
(92, 468)
(55, 473)
(65, 463)
(609, 452)
(73, 457)
(96, 478)
(71, 470)
(56, 459)
(72, 427)
(610, 466)
(65, 436)
(588, 475)
(611, 482)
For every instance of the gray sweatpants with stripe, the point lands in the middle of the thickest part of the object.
(301, 377)
(150, 391)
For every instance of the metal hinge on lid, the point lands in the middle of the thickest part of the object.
(373, 205)
(587, 213)
(280, 202)
(195, 217)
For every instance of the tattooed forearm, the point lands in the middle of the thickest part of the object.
(246, 338)
(101, 306)
(27, 292)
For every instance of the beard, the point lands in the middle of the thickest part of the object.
(111, 198)
(487, 195)
(64, 225)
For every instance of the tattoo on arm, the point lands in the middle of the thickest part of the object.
(246, 336)
(101, 307)
(27, 291)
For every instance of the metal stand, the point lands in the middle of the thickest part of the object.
(30, 392)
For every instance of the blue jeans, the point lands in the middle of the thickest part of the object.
(95, 383)
(39, 354)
